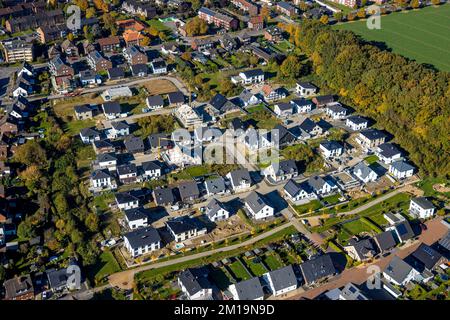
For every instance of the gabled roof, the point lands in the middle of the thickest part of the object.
(283, 278)
(195, 280)
(317, 268)
(111, 107)
(301, 102)
(397, 269)
(82, 108)
(385, 240)
(388, 150)
(331, 145)
(316, 182)
(126, 168)
(324, 99)
(100, 174)
(445, 241)
(116, 73)
(373, 134)
(357, 119)
(285, 167)
(163, 196)
(308, 125)
(158, 64)
(402, 166)
(188, 189)
(143, 237)
(364, 169)
(151, 165)
(364, 248)
(119, 125)
(57, 278)
(216, 185)
(214, 206)
(89, 132)
(284, 106)
(156, 100)
(176, 97)
(134, 144)
(237, 123)
(113, 40)
(253, 73)
(125, 197)
(306, 85)
(159, 140)
(106, 157)
(250, 289)
(240, 175)
(427, 256)
(139, 68)
(184, 223)
(136, 214)
(337, 108)
(423, 202)
(256, 201)
(404, 230)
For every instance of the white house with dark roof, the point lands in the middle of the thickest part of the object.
(250, 289)
(126, 201)
(320, 186)
(258, 207)
(184, 228)
(142, 241)
(249, 77)
(155, 102)
(401, 169)
(195, 285)
(216, 186)
(89, 135)
(102, 180)
(282, 280)
(136, 218)
(305, 89)
(158, 66)
(118, 129)
(283, 109)
(216, 211)
(240, 180)
(356, 123)
(364, 172)
(107, 161)
(421, 208)
(399, 272)
(336, 111)
(283, 170)
(112, 110)
(248, 98)
(371, 138)
(299, 192)
(152, 169)
(331, 149)
(311, 127)
(301, 105)
(388, 153)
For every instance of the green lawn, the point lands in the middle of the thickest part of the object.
(356, 227)
(308, 207)
(333, 199)
(421, 35)
(255, 267)
(272, 262)
(74, 127)
(238, 271)
(371, 159)
(106, 265)
(427, 186)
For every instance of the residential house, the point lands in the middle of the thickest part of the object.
(202, 44)
(139, 70)
(364, 172)
(246, 6)
(59, 68)
(84, 112)
(175, 98)
(132, 37)
(184, 228)
(188, 191)
(138, 8)
(311, 127)
(317, 269)
(249, 77)
(331, 149)
(97, 62)
(19, 288)
(215, 186)
(127, 173)
(301, 105)
(89, 77)
(58, 280)
(258, 207)
(336, 111)
(362, 249)
(103, 146)
(52, 32)
(137, 218)
(385, 241)
(323, 101)
(247, 98)
(281, 281)
(89, 135)
(218, 19)
(107, 161)
(402, 231)
(102, 180)
(421, 208)
(118, 129)
(283, 109)
(170, 48)
(134, 55)
(228, 43)
(240, 180)
(112, 110)
(126, 201)
(69, 49)
(356, 123)
(158, 66)
(219, 104)
(320, 186)
(17, 50)
(401, 169)
(188, 116)
(216, 211)
(299, 192)
(272, 94)
(286, 8)
(250, 289)
(273, 34)
(399, 272)
(388, 153)
(159, 141)
(371, 138)
(33, 21)
(305, 89)
(142, 241)
(283, 170)
(155, 102)
(134, 144)
(426, 258)
(152, 169)
(109, 44)
(163, 196)
(115, 73)
(195, 285)
(256, 23)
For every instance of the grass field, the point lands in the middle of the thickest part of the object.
(421, 35)
(239, 272)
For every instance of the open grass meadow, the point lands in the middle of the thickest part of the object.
(421, 35)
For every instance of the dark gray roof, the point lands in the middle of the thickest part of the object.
(427, 256)
(159, 140)
(115, 73)
(373, 134)
(308, 125)
(139, 68)
(385, 240)
(397, 269)
(87, 74)
(301, 102)
(176, 97)
(57, 278)
(423, 203)
(250, 289)
(159, 64)
(83, 108)
(388, 150)
(316, 182)
(283, 278)
(402, 166)
(183, 224)
(253, 73)
(100, 174)
(364, 248)
(317, 268)
(104, 157)
(156, 100)
(163, 196)
(331, 145)
(142, 237)
(324, 99)
(445, 241)
(337, 108)
(221, 103)
(216, 185)
(404, 230)
(125, 197)
(111, 107)
(238, 175)
(89, 132)
(306, 85)
(214, 206)
(256, 201)
(188, 189)
(357, 119)
(293, 188)
(126, 168)
(195, 280)
(237, 123)
(151, 165)
(286, 167)
(119, 125)
(134, 144)
(103, 144)
(284, 106)
(136, 214)
(364, 168)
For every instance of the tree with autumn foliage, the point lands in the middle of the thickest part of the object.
(196, 27)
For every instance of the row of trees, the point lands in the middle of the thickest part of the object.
(407, 99)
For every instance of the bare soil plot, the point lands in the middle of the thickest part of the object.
(159, 86)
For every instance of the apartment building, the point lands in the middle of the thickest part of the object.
(16, 50)
(218, 19)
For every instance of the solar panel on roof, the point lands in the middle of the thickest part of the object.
(402, 229)
(428, 250)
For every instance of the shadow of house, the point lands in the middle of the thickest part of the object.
(275, 200)
(339, 260)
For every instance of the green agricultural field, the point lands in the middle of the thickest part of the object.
(421, 35)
